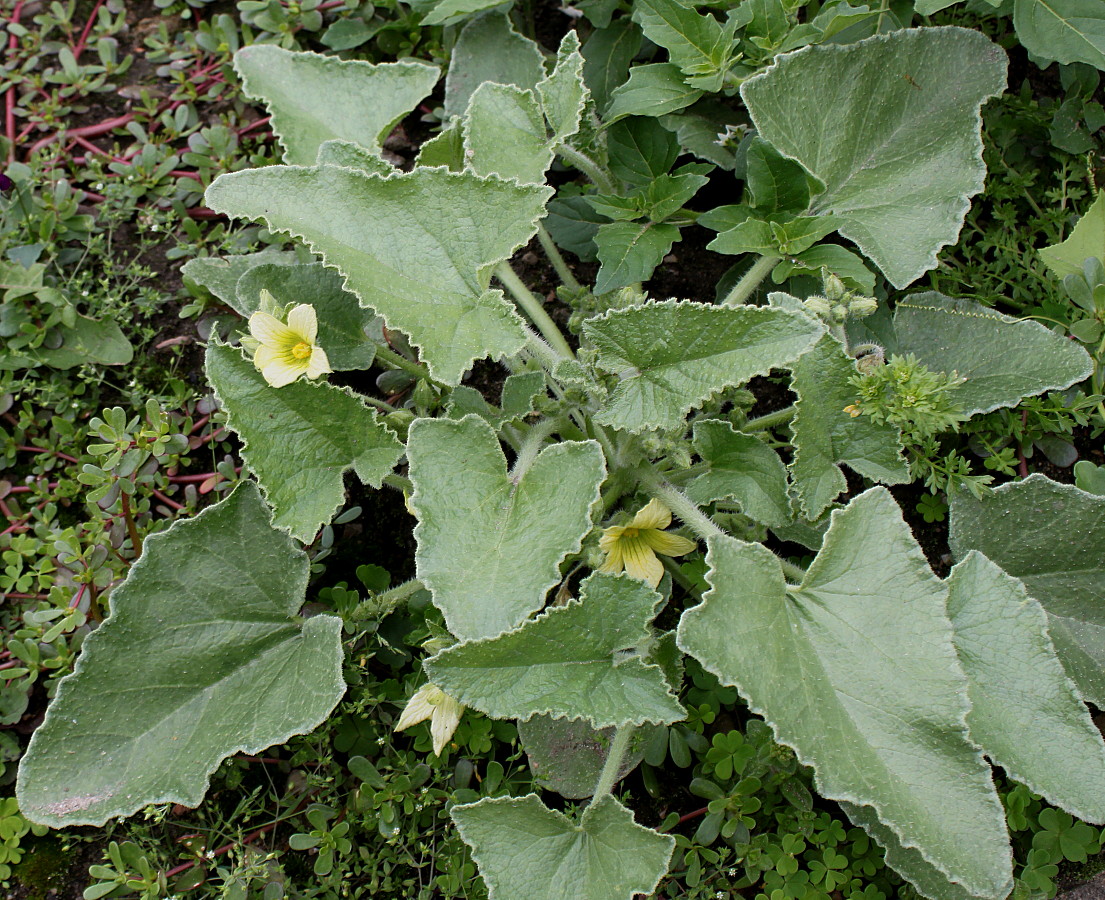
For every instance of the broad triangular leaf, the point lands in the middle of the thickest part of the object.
(653, 90)
(740, 467)
(1002, 358)
(203, 656)
(418, 248)
(299, 439)
(527, 851)
(504, 134)
(891, 126)
(1086, 239)
(564, 93)
(1025, 714)
(315, 98)
(567, 662)
(855, 669)
(1052, 537)
(489, 548)
(630, 252)
(673, 355)
(220, 274)
(1068, 31)
(826, 434)
(489, 49)
(697, 43)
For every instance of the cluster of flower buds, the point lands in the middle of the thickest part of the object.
(838, 303)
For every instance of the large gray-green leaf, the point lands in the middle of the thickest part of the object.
(826, 434)
(203, 656)
(1068, 31)
(489, 49)
(671, 356)
(855, 669)
(1052, 537)
(489, 548)
(1002, 358)
(343, 324)
(315, 98)
(891, 126)
(569, 662)
(220, 274)
(418, 247)
(299, 439)
(504, 134)
(743, 468)
(1025, 714)
(527, 851)
(1086, 239)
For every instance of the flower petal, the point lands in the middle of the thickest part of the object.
(303, 321)
(668, 544)
(641, 563)
(270, 330)
(317, 363)
(614, 562)
(280, 373)
(654, 515)
(610, 537)
(445, 721)
(420, 707)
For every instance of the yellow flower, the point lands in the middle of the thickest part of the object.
(633, 547)
(285, 352)
(431, 702)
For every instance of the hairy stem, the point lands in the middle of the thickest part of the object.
(534, 309)
(678, 502)
(770, 420)
(531, 446)
(751, 279)
(614, 758)
(399, 483)
(557, 260)
(398, 361)
(588, 167)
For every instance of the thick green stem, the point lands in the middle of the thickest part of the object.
(399, 483)
(398, 361)
(678, 502)
(384, 603)
(534, 309)
(618, 748)
(770, 420)
(531, 446)
(588, 167)
(792, 571)
(557, 260)
(751, 279)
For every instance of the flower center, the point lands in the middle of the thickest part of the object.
(630, 533)
(301, 350)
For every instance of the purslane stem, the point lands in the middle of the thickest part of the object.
(398, 361)
(751, 279)
(770, 420)
(588, 167)
(557, 260)
(678, 502)
(614, 758)
(533, 308)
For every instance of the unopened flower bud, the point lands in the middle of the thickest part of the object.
(819, 306)
(861, 307)
(834, 287)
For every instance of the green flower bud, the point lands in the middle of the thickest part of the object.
(819, 306)
(834, 287)
(861, 307)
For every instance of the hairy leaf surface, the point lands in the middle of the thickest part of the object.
(1068, 31)
(743, 468)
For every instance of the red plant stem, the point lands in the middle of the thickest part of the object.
(84, 131)
(77, 596)
(132, 530)
(9, 100)
(199, 424)
(56, 453)
(88, 145)
(330, 4)
(12, 664)
(213, 436)
(166, 500)
(90, 195)
(16, 596)
(79, 49)
(693, 815)
(181, 173)
(257, 123)
(202, 212)
(187, 479)
(24, 489)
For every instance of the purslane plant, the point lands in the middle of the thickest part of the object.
(897, 687)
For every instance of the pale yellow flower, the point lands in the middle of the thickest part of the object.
(286, 351)
(431, 702)
(633, 547)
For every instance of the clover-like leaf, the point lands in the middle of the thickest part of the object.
(203, 656)
(891, 126)
(671, 356)
(418, 247)
(314, 98)
(740, 467)
(299, 439)
(527, 851)
(1025, 714)
(569, 662)
(1052, 537)
(490, 547)
(856, 670)
(825, 434)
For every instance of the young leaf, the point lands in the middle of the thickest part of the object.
(527, 851)
(451, 228)
(1067, 31)
(899, 173)
(640, 149)
(220, 274)
(1002, 358)
(608, 54)
(1086, 239)
(343, 324)
(504, 134)
(825, 434)
(489, 49)
(778, 185)
(1052, 537)
(564, 93)
(1025, 714)
(652, 90)
(352, 156)
(855, 670)
(697, 43)
(630, 251)
(567, 662)
(446, 148)
(670, 356)
(314, 98)
(489, 548)
(299, 439)
(743, 468)
(203, 656)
